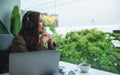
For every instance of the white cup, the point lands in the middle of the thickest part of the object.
(84, 67)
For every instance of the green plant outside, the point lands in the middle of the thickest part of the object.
(15, 21)
(90, 46)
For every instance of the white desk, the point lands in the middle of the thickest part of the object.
(69, 67)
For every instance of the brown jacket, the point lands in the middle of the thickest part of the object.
(19, 45)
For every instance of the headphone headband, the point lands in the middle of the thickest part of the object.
(29, 24)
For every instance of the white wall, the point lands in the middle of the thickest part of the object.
(6, 7)
(104, 12)
(78, 12)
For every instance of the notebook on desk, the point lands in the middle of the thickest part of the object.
(34, 63)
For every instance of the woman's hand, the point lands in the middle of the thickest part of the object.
(44, 38)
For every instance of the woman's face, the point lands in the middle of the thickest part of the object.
(41, 26)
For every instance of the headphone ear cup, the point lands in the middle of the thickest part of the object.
(29, 25)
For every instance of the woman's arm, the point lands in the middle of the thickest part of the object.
(46, 38)
(51, 45)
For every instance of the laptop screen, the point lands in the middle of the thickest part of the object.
(34, 63)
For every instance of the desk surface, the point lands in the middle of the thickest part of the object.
(68, 67)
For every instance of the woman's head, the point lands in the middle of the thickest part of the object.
(41, 26)
(32, 26)
(32, 23)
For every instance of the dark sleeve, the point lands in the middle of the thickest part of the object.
(52, 47)
(41, 48)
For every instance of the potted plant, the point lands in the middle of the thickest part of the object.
(3, 29)
(15, 26)
(5, 37)
(84, 66)
(15, 21)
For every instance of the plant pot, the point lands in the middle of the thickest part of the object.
(84, 67)
(5, 41)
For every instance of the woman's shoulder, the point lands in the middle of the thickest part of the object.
(18, 45)
(19, 38)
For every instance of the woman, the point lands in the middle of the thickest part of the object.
(32, 36)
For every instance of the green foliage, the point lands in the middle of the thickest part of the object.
(90, 46)
(50, 25)
(3, 29)
(15, 23)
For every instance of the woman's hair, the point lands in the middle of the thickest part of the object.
(29, 29)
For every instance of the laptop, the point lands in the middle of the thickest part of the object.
(34, 63)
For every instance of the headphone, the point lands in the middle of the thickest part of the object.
(29, 24)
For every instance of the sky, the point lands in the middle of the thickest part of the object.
(78, 12)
